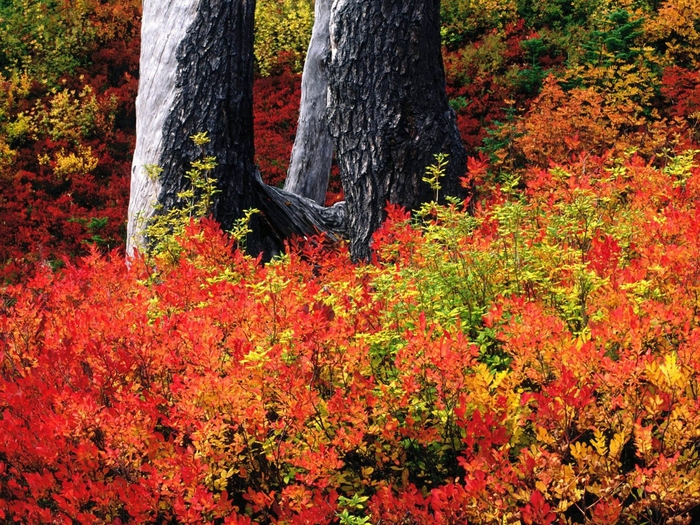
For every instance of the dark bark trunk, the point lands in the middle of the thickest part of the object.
(312, 155)
(388, 110)
(215, 94)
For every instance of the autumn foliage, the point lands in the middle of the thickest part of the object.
(530, 356)
(535, 361)
(68, 77)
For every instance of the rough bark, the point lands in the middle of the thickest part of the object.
(312, 154)
(388, 110)
(204, 63)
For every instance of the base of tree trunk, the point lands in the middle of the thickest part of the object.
(292, 215)
(388, 109)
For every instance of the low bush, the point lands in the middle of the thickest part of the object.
(282, 30)
(533, 362)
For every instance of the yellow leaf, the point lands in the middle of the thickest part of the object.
(599, 443)
(543, 436)
(404, 477)
(616, 445)
(671, 370)
(580, 451)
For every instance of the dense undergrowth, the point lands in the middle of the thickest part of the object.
(533, 361)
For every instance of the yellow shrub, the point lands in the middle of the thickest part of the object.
(68, 116)
(282, 26)
(72, 163)
(12, 129)
(678, 26)
(465, 19)
(629, 87)
(7, 155)
(44, 37)
(17, 129)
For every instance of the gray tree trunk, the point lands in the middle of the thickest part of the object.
(388, 110)
(164, 26)
(312, 154)
(197, 75)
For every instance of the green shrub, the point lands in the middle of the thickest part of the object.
(46, 38)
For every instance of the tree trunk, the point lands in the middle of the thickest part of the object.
(388, 113)
(164, 26)
(388, 110)
(196, 76)
(310, 164)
